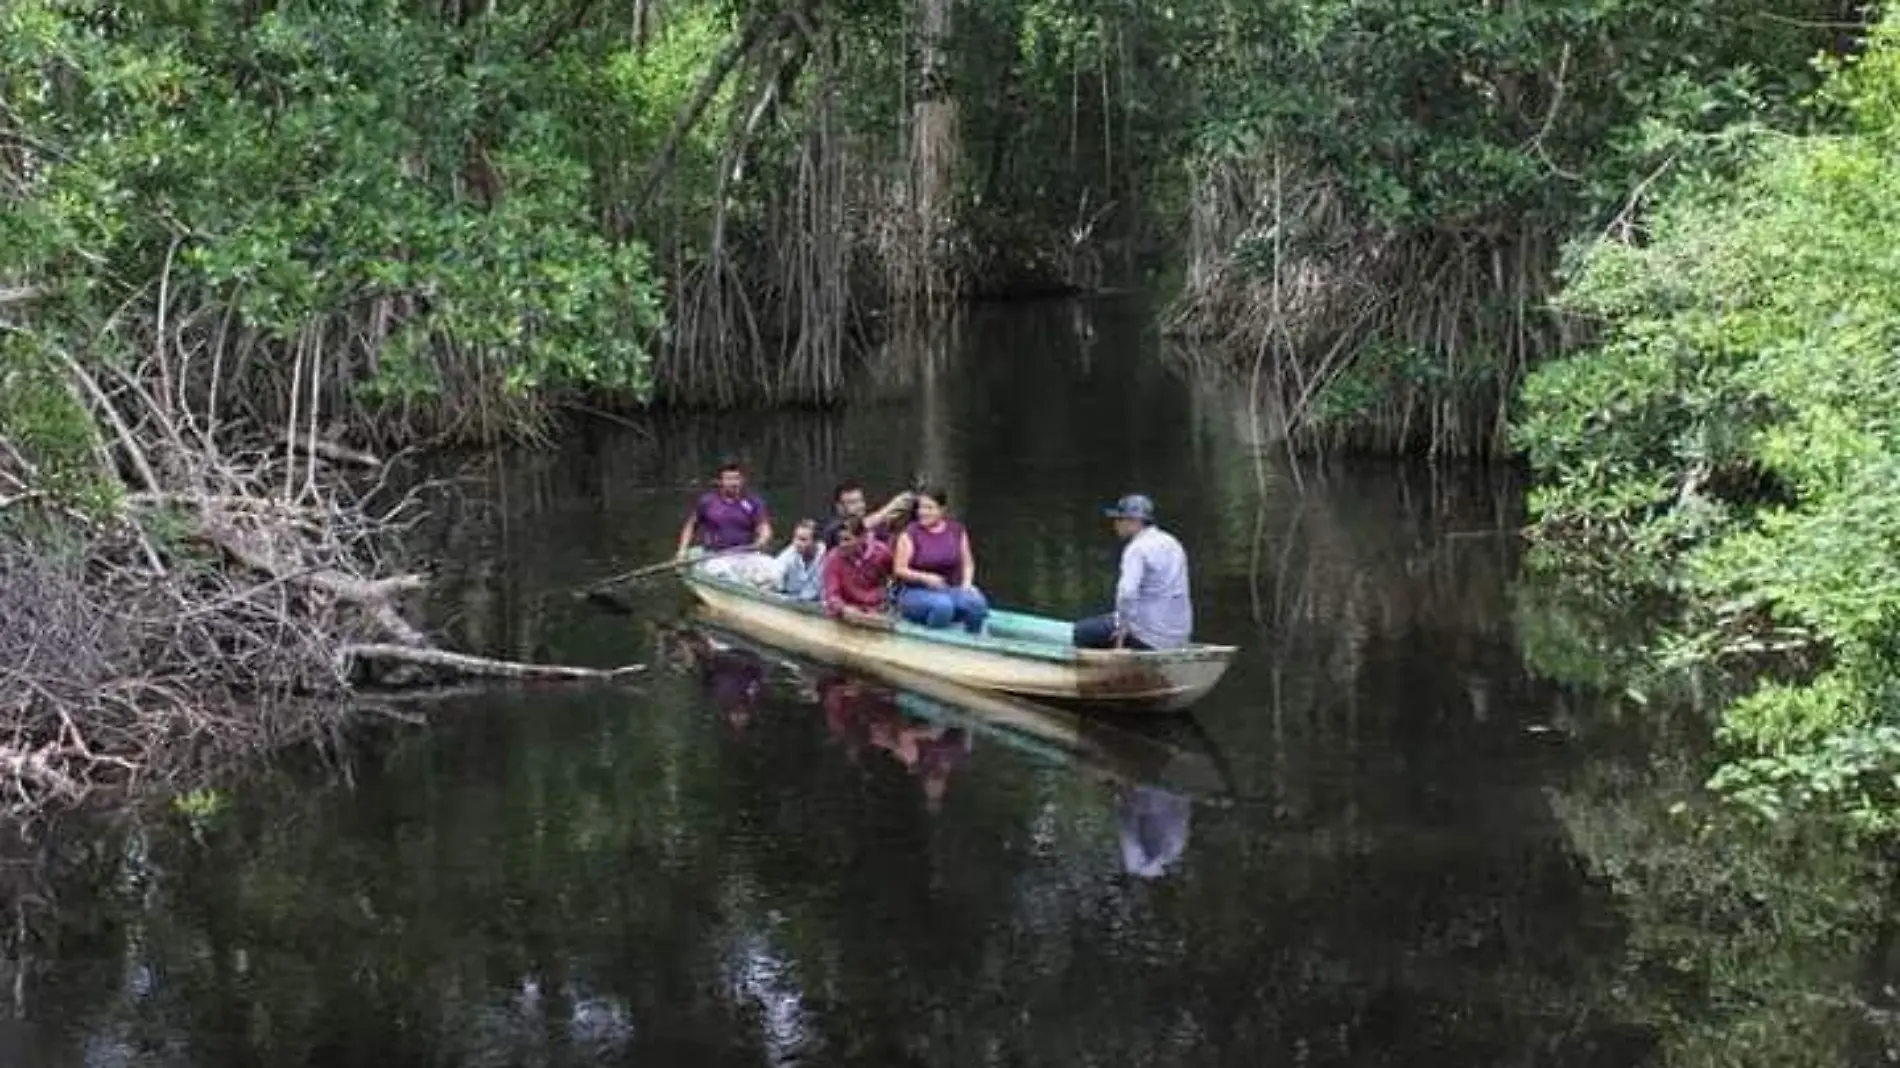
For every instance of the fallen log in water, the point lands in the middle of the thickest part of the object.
(336, 452)
(194, 567)
(352, 659)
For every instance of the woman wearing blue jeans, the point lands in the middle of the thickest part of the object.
(936, 570)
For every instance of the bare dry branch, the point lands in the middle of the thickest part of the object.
(232, 604)
(478, 666)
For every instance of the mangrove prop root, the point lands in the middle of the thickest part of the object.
(1428, 332)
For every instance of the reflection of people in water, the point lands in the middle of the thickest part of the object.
(1154, 829)
(930, 751)
(939, 755)
(849, 707)
(733, 678)
(860, 714)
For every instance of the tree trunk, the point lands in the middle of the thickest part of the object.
(933, 156)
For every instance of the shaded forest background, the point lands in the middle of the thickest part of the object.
(447, 219)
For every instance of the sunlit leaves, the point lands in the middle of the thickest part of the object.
(1752, 360)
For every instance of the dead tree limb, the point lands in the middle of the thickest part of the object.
(365, 593)
(336, 453)
(462, 664)
(34, 769)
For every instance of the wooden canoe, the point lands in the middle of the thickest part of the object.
(1025, 655)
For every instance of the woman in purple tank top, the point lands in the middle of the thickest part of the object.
(935, 569)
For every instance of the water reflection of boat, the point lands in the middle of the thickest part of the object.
(1022, 655)
(1124, 754)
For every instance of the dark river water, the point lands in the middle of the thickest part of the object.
(745, 861)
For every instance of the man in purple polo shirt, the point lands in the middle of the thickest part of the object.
(727, 517)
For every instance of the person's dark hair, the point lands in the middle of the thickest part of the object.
(846, 487)
(730, 465)
(853, 527)
(936, 493)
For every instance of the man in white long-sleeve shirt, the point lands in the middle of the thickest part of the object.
(802, 564)
(1152, 608)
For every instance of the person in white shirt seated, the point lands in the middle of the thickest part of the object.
(1152, 608)
(801, 565)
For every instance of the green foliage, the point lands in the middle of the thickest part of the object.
(301, 165)
(1736, 426)
(1419, 166)
(1075, 114)
(628, 97)
(200, 809)
(1444, 116)
(1583, 625)
(454, 192)
(41, 418)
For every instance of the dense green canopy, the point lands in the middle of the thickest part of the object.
(1732, 439)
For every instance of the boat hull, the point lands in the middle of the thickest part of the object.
(1124, 679)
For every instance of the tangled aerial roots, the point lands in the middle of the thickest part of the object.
(104, 680)
(1436, 328)
(225, 589)
(247, 609)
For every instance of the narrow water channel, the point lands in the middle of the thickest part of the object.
(742, 861)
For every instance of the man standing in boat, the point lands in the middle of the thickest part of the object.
(1152, 608)
(727, 519)
(848, 500)
(726, 516)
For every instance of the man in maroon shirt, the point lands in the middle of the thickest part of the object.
(857, 573)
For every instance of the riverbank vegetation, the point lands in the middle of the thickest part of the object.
(1729, 441)
(438, 220)
(221, 597)
(282, 230)
(1381, 192)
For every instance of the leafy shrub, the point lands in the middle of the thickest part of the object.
(1737, 423)
(312, 169)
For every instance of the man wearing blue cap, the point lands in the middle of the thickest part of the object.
(1152, 609)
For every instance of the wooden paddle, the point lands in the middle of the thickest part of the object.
(664, 567)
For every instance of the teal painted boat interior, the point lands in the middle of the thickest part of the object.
(1008, 633)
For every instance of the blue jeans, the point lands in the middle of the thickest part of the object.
(940, 608)
(1098, 632)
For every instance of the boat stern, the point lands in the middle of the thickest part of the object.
(1155, 681)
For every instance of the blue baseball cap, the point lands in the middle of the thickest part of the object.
(1133, 506)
